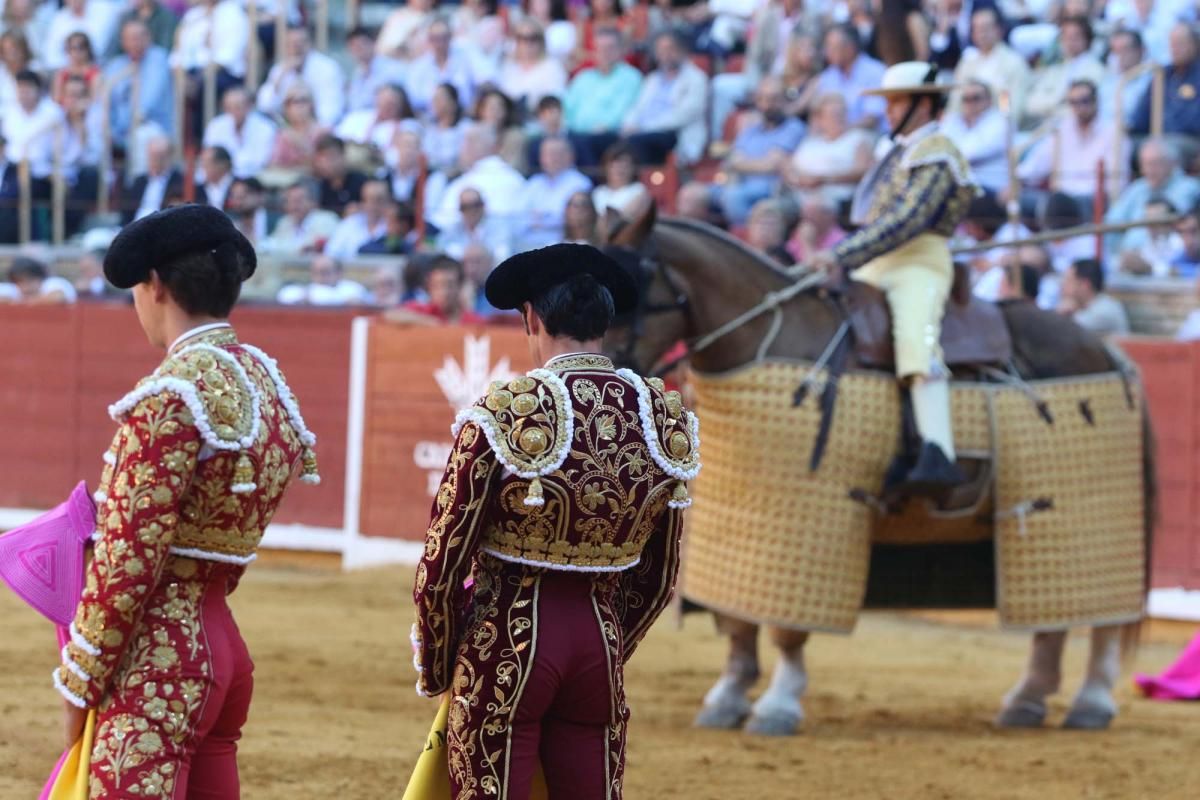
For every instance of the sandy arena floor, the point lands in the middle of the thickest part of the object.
(899, 710)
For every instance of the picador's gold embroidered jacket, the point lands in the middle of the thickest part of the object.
(206, 446)
(575, 467)
(924, 187)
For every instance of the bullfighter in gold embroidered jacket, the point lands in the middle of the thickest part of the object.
(562, 500)
(908, 205)
(205, 448)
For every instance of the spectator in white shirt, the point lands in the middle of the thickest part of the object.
(992, 61)
(152, 191)
(530, 74)
(401, 34)
(37, 286)
(327, 287)
(216, 173)
(548, 191)
(303, 228)
(1125, 54)
(1066, 159)
(403, 159)
(501, 186)
(621, 189)
(1161, 177)
(669, 114)
(377, 126)
(301, 63)
(1084, 300)
(441, 63)
(28, 126)
(213, 32)
(442, 137)
(96, 18)
(363, 226)
(369, 71)
(246, 134)
(475, 227)
(980, 132)
(15, 56)
(1050, 83)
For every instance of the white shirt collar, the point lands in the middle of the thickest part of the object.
(920, 133)
(198, 330)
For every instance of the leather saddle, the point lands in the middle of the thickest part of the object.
(973, 331)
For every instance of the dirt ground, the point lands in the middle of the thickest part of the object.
(899, 710)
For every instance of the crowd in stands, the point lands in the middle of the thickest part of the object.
(456, 134)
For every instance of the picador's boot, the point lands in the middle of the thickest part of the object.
(935, 472)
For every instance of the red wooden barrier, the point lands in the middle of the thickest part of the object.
(63, 366)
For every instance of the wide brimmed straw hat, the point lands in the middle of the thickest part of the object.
(910, 77)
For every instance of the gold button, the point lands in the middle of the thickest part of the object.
(679, 445)
(524, 404)
(534, 441)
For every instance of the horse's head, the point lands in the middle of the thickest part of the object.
(662, 318)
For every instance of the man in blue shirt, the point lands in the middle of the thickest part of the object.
(850, 73)
(142, 75)
(760, 152)
(598, 98)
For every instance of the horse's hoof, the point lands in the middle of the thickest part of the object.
(722, 717)
(1022, 714)
(1088, 719)
(778, 723)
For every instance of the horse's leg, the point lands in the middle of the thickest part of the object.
(726, 704)
(1025, 704)
(778, 712)
(1094, 707)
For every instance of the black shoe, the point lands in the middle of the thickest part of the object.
(934, 474)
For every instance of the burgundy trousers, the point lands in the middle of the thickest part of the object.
(170, 726)
(538, 679)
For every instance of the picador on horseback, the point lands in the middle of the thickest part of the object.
(908, 205)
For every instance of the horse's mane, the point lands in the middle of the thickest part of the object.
(698, 226)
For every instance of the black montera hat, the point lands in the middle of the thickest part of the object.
(155, 241)
(524, 276)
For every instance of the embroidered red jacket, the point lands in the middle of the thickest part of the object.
(573, 467)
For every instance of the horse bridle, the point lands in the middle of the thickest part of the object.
(648, 269)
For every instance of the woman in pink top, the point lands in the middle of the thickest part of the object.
(529, 74)
(295, 143)
(81, 62)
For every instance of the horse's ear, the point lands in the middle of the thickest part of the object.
(614, 223)
(643, 224)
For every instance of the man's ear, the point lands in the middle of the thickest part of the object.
(157, 285)
(532, 323)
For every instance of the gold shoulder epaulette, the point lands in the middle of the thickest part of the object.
(672, 432)
(528, 423)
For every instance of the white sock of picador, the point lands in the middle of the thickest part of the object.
(931, 407)
(1044, 673)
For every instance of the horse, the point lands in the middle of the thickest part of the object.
(699, 285)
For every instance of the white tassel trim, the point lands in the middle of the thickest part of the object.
(95, 536)
(110, 458)
(529, 562)
(285, 394)
(70, 664)
(208, 555)
(70, 696)
(414, 637)
(310, 479)
(679, 504)
(100, 496)
(535, 502)
(82, 643)
(243, 488)
(949, 161)
(650, 431)
(487, 423)
(187, 393)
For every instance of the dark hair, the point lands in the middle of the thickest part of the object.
(25, 267)
(251, 183)
(29, 76)
(511, 112)
(1083, 25)
(87, 43)
(452, 92)
(1083, 83)
(1060, 211)
(1134, 37)
(549, 102)
(1031, 281)
(330, 142)
(221, 154)
(618, 150)
(986, 212)
(404, 211)
(208, 282)
(359, 32)
(1089, 269)
(850, 33)
(440, 262)
(579, 308)
(675, 36)
(558, 9)
(406, 109)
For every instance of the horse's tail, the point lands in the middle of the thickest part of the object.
(1131, 633)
